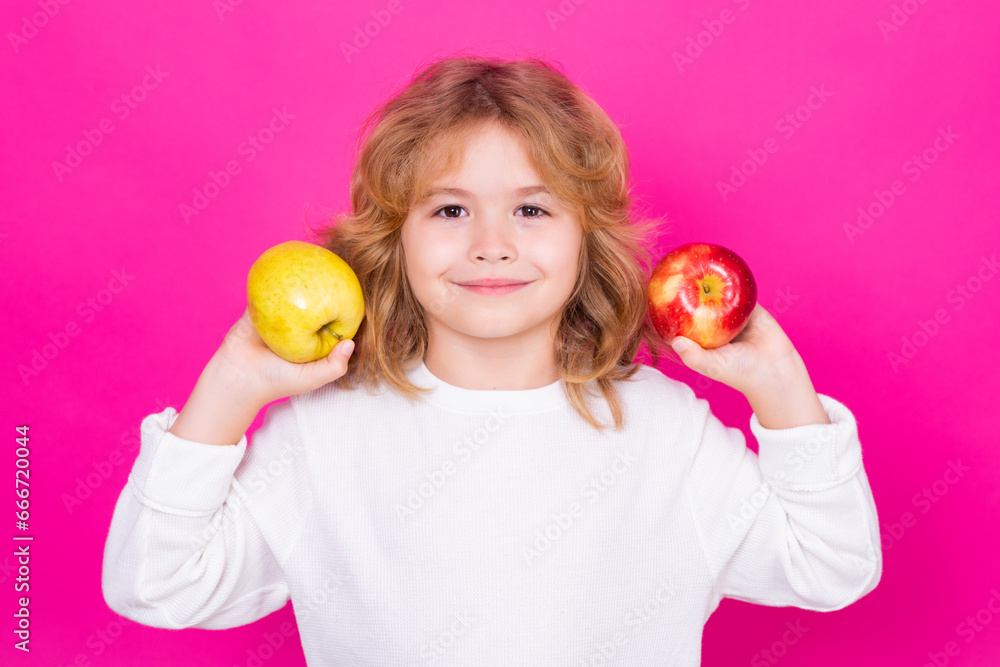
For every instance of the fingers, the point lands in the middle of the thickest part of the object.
(711, 363)
(690, 352)
(340, 356)
(334, 365)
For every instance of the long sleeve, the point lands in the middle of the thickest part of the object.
(184, 548)
(794, 526)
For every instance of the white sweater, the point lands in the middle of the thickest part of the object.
(492, 527)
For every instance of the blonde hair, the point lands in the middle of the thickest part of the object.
(577, 151)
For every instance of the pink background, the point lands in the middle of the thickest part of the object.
(848, 302)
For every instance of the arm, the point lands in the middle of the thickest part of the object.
(216, 413)
(791, 402)
(201, 532)
(796, 525)
(183, 550)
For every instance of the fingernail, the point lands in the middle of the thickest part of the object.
(679, 345)
(347, 347)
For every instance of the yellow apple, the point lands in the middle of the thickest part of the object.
(303, 300)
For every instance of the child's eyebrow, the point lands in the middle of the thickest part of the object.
(458, 192)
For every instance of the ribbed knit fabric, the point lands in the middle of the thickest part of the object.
(498, 528)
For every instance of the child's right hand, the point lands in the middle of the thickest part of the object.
(253, 372)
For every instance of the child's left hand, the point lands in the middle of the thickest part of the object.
(760, 359)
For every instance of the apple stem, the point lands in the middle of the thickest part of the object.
(327, 327)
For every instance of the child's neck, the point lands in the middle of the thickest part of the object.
(493, 365)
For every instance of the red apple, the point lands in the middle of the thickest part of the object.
(701, 291)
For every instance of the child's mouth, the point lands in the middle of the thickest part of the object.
(495, 290)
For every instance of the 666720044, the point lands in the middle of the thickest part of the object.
(22, 491)
(22, 475)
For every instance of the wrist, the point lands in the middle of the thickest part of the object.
(787, 400)
(788, 372)
(230, 380)
(219, 410)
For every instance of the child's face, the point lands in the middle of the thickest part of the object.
(492, 231)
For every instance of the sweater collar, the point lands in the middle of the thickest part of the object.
(541, 399)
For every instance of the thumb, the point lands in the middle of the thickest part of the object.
(717, 364)
(341, 353)
(690, 352)
(333, 365)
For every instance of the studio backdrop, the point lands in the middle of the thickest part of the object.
(846, 150)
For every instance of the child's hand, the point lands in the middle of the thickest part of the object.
(254, 373)
(760, 359)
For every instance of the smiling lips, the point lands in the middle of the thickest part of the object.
(493, 286)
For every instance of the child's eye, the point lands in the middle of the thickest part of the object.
(448, 208)
(536, 211)
(539, 211)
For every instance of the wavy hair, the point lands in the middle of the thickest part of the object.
(579, 154)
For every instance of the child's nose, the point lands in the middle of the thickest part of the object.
(493, 239)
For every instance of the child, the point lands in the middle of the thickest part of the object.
(507, 488)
